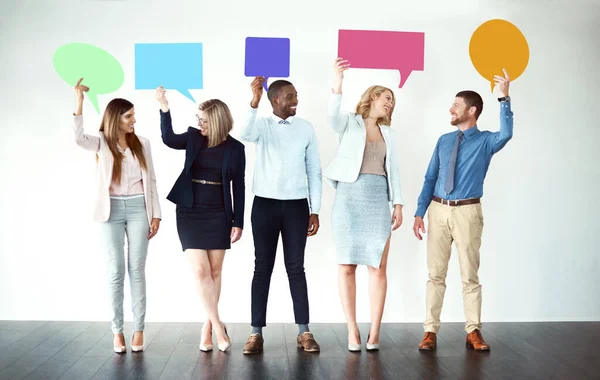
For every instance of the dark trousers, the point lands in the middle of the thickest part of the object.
(270, 217)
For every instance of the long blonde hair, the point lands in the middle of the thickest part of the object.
(364, 105)
(110, 126)
(220, 121)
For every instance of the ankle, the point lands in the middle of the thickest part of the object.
(353, 329)
(303, 328)
(257, 330)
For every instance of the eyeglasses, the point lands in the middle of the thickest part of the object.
(201, 121)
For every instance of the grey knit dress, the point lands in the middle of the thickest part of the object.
(361, 218)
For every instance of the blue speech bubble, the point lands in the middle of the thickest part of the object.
(176, 66)
(267, 57)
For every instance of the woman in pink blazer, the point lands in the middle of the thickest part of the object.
(126, 203)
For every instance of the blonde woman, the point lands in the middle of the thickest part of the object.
(366, 176)
(207, 220)
(126, 203)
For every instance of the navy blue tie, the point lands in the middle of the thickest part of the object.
(452, 164)
(283, 122)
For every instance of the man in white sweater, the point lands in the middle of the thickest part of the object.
(287, 187)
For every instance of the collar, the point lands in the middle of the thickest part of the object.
(471, 132)
(277, 119)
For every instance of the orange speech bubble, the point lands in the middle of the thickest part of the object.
(496, 45)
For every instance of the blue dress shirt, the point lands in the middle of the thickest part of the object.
(474, 155)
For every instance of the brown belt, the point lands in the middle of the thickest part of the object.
(205, 182)
(458, 202)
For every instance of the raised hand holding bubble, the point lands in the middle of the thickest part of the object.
(339, 66)
(257, 90)
(502, 84)
(80, 89)
(160, 95)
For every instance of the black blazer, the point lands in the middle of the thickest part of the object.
(234, 167)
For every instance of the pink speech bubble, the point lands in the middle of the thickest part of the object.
(374, 49)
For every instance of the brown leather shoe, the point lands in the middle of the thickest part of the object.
(429, 342)
(476, 342)
(308, 342)
(254, 345)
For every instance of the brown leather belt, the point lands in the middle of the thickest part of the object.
(458, 202)
(205, 182)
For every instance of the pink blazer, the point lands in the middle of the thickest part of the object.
(104, 168)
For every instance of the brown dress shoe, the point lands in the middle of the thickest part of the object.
(254, 345)
(308, 342)
(429, 342)
(476, 342)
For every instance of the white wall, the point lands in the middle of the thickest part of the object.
(540, 246)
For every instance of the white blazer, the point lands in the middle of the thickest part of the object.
(348, 159)
(104, 169)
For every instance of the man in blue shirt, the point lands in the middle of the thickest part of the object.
(452, 190)
(287, 187)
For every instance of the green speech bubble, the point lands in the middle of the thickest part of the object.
(100, 71)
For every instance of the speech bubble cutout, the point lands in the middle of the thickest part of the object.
(498, 44)
(374, 49)
(268, 57)
(100, 71)
(175, 66)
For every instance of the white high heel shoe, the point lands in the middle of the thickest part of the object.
(227, 345)
(355, 347)
(372, 346)
(118, 349)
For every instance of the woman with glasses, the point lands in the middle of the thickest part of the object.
(207, 220)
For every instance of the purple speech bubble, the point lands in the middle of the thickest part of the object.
(374, 49)
(267, 57)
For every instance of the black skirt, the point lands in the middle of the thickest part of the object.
(200, 228)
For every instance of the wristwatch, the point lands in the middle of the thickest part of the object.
(504, 99)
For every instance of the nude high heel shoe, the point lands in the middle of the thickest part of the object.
(227, 345)
(205, 347)
(118, 349)
(135, 348)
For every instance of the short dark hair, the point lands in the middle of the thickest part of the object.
(472, 99)
(276, 87)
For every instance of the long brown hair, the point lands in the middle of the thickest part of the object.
(220, 121)
(110, 126)
(364, 105)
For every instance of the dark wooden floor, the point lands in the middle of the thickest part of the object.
(83, 350)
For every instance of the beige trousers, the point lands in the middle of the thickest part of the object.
(462, 225)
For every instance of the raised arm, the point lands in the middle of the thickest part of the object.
(251, 129)
(336, 120)
(87, 142)
(498, 140)
(170, 138)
